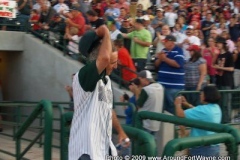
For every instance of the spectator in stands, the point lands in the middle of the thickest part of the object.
(170, 17)
(189, 40)
(126, 28)
(38, 5)
(57, 25)
(141, 41)
(224, 78)
(207, 26)
(182, 22)
(94, 20)
(24, 10)
(34, 19)
(69, 90)
(112, 10)
(113, 30)
(230, 43)
(73, 43)
(209, 111)
(134, 88)
(140, 13)
(170, 65)
(213, 34)
(145, 4)
(85, 5)
(127, 68)
(61, 7)
(177, 32)
(122, 4)
(146, 23)
(158, 41)
(77, 20)
(150, 99)
(46, 16)
(195, 73)
(236, 58)
(159, 20)
(73, 3)
(123, 15)
(210, 54)
(195, 16)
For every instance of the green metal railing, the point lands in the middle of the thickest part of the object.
(190, 142)
(45, 106)
(219, 128)
(14, 116)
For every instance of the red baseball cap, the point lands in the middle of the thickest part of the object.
(194, 47)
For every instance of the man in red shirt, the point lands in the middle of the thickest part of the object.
(76, 20)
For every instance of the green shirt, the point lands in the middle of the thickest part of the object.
(137, 50)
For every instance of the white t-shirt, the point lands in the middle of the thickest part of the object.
(192, 40)
(170, 18)
(73, 45)
(114, 34)
(61, 7)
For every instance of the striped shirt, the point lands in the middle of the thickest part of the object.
(171, 77)
(91, 128)
(192, 73)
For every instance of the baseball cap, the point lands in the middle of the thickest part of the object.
(170, 38)
(160, 9)
(139, 20)
(190, 27)
(88, 42)
(146, 74)
(145, 18)
(194, 47)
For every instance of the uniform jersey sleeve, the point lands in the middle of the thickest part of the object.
(142, 98)
(88, 76)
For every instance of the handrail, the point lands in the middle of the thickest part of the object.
(183, 143)
(220, 128)
(45, 106)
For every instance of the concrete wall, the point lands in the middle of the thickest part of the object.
(16, 39)
(39, 72)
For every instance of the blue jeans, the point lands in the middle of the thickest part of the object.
(23, 19)
(169, 96)
(206, 151)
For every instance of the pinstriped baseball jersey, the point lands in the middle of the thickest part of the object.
(91, 128)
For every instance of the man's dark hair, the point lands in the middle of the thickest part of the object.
(211, 94)
(92, 13)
